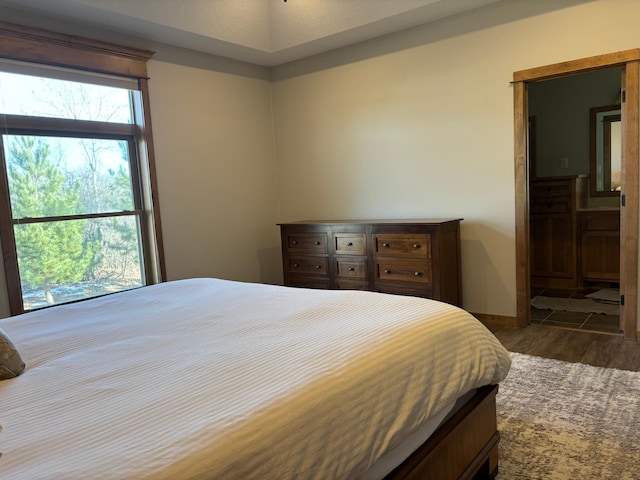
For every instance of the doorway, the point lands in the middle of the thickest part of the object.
(575, 200)
(628, 61)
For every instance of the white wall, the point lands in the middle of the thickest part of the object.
(216, 173)
(562, 108)
(420, 124)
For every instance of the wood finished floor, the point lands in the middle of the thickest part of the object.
(598, 349)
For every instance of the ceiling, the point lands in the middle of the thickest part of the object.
(262, 32)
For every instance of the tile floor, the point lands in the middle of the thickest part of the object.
(593, 322)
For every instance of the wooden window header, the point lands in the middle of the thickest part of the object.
(35, 45)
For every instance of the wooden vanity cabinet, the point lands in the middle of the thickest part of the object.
(600, 245)
(412, 257)
(553, 231)
(570, 244)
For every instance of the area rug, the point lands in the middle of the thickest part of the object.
(583, 305)
(568, 421)
(606, 294)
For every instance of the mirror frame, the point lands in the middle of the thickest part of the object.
(615, 111)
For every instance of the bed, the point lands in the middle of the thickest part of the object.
(210, 378)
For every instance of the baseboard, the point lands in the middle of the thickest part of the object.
(496, 319)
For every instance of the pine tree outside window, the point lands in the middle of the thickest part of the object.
(79, 217)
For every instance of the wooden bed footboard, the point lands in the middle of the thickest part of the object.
(464, 447)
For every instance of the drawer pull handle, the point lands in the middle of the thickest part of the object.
(417, 274)
(416, 245)
(385, 245)
(388, 272)
(318, 267)
(294, 242)
(317, 243)
(295, 265)
(350, 244)
(351, 269)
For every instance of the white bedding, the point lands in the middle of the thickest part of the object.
(208, 378)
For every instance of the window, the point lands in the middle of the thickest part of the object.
(77, 206)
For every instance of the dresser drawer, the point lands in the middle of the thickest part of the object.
(309, 282)
(306, 242)
(354, 268)
(403, 244)
(552, 196)
(350, 243)
(342, 284)
(551, 205)
(553, 188)
(403, 271)
(600, 221)
(403, 289)
(308, 265)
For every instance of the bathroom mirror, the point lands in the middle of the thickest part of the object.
(606, 151)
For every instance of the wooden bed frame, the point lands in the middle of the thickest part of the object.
(464, 447)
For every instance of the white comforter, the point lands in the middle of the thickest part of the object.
(207, 378)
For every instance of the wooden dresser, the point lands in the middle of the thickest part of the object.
(407, 257)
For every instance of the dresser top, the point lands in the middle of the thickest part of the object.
(407, 221)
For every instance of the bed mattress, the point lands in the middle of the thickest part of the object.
(208, 378)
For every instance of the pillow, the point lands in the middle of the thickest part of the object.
(11, 365)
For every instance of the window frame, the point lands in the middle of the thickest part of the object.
(42, 47)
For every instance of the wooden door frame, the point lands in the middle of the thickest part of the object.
(630, 61)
